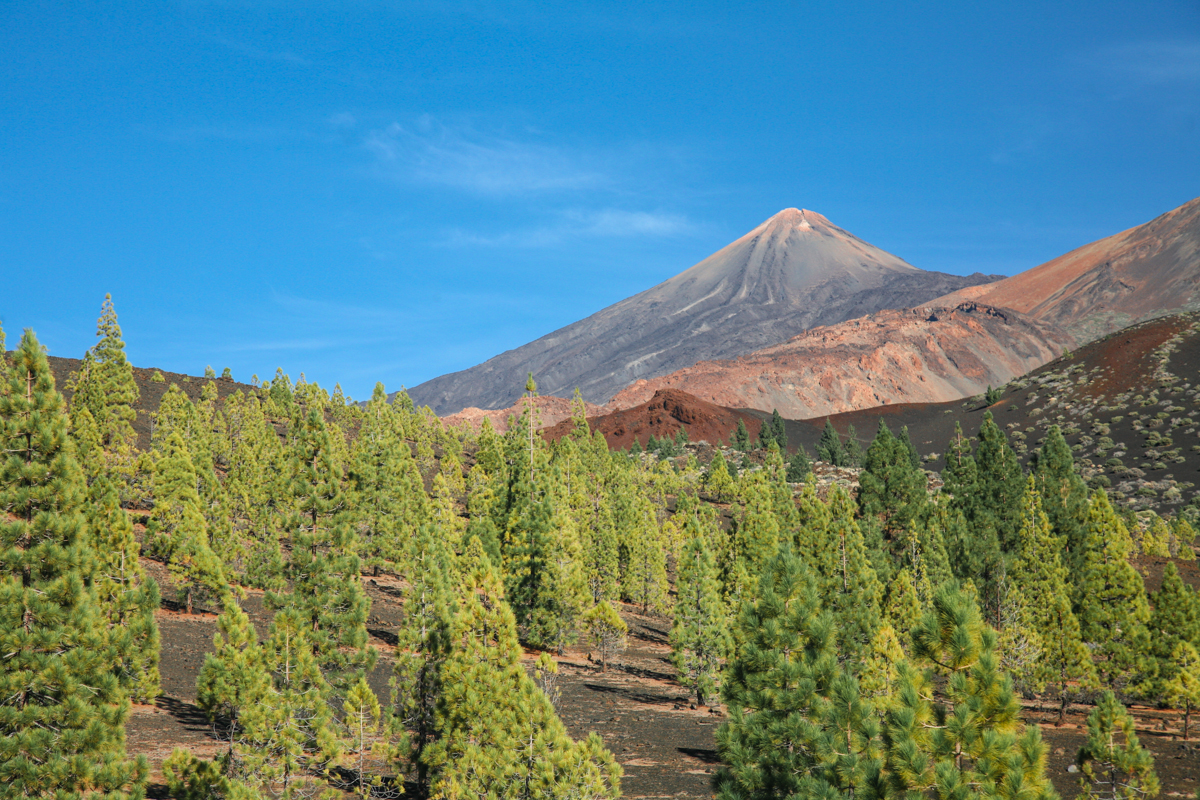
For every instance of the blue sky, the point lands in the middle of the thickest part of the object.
(367, 191)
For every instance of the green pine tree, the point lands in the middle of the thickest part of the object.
(891, 492)
(180, 527)
(234, 677)
(126, 597)
(1112, 769)
(422, 645)
(1064, 495)
(605, 631)
(498, 734)
(1182, 690)
(778, 430)
(846, 582)
(852, 451)
(289, 735)
(62, 709)
(1176, 618)
(1113, 609)
(799, 466)
(967, 738)
(829, 448)
(1001, 482)
(645, 579)
(700, 638)
(717, 481)
(324, 569)
(777, 687)
(741, 436)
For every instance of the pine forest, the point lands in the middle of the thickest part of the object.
(875, 641)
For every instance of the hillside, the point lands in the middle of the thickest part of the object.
(925, 355)
(1144, 272)
(795, 271)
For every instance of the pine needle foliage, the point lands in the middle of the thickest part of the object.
(62, 708)
(1114, 764)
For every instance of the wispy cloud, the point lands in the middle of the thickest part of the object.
(465, 159)
(578, 224)
(1152, 62)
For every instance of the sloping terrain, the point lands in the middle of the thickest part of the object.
(1128, 405)
(1144, 272)
(550, 410)
(150, 391)
(661, 417)
(795, 271)
(923, 355)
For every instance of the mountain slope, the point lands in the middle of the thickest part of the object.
(1137, 274)
(795, 271)
(924, 355)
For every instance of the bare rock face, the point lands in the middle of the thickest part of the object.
(1144, 272)
(923, 355)
(795, 271)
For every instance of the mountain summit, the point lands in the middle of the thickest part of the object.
(795, 271)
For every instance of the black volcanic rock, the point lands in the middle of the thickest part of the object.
(795, 271)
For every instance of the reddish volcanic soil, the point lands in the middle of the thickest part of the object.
(550, 409)
(662, 416)
(924, 355)
(1106, 285)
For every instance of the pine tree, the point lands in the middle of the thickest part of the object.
(105, 386)
(1067, 659)
(891, 491)
(852, 452)
(600, 554)
(717, 482)
(375, 484)
(1064, 495)
(363, 741)
(845, 580)
(289, 734)
(776, 687)
(497, 732)
(62, 710)
(234, 677)
(645, 579)
(878, 676)
(778, 431)
(422, 646)
(903, 609)
(1156, 538)
(799, 467)
(1183, 689)
(741, 437)
(1176, 618)
(1114, 770)
(125, 596)
(700, 638)
(829, 448)
(969, 738)
(1001, 482)
(1113, 610)
(324, 569)
(180, 527)
(605, 631)
(910, 450)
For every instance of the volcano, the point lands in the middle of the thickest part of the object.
(795, 271)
